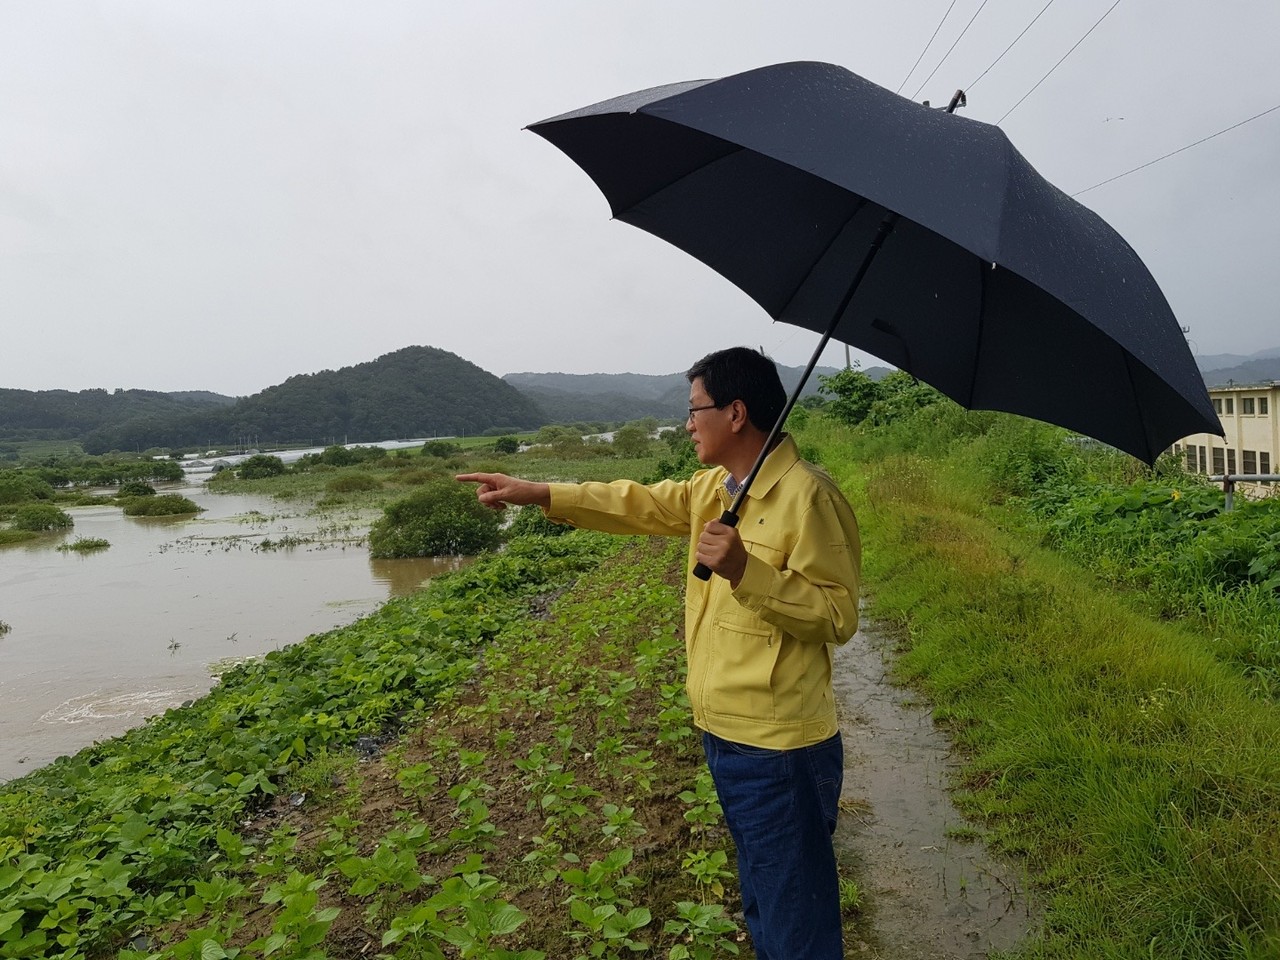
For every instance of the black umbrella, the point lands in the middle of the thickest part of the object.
(917, 235)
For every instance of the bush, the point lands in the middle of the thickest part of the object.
(632, 440)
(136, 488)
(168, 505)
(38, 517)
(352, 483)
(854, 392)
(443, 518)
(683, 462)
(506, 445)
(260, 465)
(439, 448)
(17, 487)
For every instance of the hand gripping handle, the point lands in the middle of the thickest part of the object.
(702, 571)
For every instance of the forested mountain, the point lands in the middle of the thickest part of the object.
(414, 392)
(68, 414)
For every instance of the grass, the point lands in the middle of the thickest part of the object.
(1133, 768)
(85, 545)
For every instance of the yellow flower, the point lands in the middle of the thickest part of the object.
(1177, 495)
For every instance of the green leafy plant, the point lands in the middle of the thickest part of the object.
(300, 924)
(709, 870)
(703, 930)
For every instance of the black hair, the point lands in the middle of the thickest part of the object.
(740, 373)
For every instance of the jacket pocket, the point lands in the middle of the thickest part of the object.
(743, 655)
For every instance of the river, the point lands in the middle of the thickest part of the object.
(99, 641)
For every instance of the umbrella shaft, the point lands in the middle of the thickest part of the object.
(886, 226)
(730, 516)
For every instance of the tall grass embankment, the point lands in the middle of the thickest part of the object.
(1113, 699)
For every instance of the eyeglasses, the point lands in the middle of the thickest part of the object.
(708, 406)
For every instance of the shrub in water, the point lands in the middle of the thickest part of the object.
(41, 516)
(136, 488)
(16, 487)
(443, 518)
(168, 505)
(260, 465)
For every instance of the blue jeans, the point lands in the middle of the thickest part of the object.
(780, 806)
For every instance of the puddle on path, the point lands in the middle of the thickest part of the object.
(926, 896)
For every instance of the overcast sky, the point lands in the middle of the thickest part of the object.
(220, 194)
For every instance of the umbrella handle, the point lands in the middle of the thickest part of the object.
(701, 570)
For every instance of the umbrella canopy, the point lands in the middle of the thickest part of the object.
(919, 236)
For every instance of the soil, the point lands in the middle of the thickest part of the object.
(926, 894)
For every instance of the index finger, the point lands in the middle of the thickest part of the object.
(475, 477)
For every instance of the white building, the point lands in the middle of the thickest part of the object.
(1251, 421)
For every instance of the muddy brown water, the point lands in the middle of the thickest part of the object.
(926, 895)
(98, 642)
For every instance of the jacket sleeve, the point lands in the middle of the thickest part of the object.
(623, 506)
(814, 598)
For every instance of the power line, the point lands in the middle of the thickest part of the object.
(926, 48)
(1010, 46)
(949, 49)
(1059, 63)
(1179, 150)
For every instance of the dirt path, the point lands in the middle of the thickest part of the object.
(926, 896)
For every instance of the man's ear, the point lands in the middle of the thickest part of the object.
(738, 416)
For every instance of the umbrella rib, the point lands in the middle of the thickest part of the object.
(813, 263)
(684, 175)
(1129, 361)
(983, 269)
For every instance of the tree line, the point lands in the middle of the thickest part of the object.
(413, 392)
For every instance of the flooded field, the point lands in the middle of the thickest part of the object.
(100, 641)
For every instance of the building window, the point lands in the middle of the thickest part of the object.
(1231, 460)
(1246, 406)
(1262, 406)
(1249, 461)
(1231, 405)
(1264, 462)
(1192, 466)
(1217, 406)
(1204, 463)
(1219, 465)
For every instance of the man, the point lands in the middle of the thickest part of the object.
(759, 635)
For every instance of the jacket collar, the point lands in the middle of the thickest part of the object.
(780, 459)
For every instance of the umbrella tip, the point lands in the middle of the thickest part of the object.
(959, 100)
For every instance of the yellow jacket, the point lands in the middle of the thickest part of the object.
(760, 655)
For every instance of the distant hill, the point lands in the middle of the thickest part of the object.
(1221, 368)
(572, 397)
(70, 415)
(413, 392)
